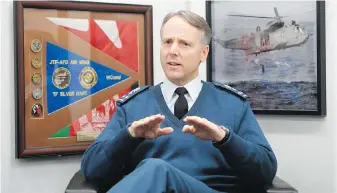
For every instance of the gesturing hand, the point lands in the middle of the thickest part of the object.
(203, 129)
(149, 127)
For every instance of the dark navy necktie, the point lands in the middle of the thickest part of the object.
(181, 105)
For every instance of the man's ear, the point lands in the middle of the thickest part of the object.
(204, 53)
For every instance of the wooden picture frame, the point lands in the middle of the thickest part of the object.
(73, 61)
(274, 52)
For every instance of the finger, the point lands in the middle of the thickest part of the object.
(145, 120)
(185, 128)
(154, 118)
(157, 118)
(188, 118)
(164, 131)
(151, 119)
(194, 120)
(137, 123)
(189, 129)
(154, 122)
(204, 122)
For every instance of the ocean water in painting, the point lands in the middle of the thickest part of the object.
(284, 79)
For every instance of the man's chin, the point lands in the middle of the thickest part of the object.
(174, 78)
(178, 80)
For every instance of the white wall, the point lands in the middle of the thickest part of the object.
(305, 146)
(0, 95)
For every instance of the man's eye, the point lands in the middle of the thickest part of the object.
(185, 44)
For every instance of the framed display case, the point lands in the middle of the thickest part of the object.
(73, 61)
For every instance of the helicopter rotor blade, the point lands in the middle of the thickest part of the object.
(277, 16)
(276, 12)
(251, 16)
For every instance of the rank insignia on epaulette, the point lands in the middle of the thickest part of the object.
(233, 90)
(131, 94)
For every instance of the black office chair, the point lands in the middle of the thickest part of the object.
(78, 184)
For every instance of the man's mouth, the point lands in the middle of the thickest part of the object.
(173, 64)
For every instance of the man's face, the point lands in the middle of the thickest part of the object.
(181, 51)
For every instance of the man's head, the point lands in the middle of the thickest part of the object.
(185, 38)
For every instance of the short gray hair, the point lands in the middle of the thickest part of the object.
(193, 19)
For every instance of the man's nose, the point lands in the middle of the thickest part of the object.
(174, 49)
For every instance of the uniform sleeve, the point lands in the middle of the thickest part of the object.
(107, 156)
(248, 152)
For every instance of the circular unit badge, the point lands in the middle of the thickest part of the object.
(37, 93)
(37, 110)
(36, 45)
(88, 77)
(36, 78)
(61, 78)
(36, 61)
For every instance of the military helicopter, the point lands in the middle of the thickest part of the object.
(276, 36)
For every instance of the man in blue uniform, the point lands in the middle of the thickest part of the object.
(184, 134)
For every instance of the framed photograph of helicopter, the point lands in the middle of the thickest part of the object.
(272, 51)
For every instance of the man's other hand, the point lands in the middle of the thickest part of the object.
(203, 129)
(149, 127)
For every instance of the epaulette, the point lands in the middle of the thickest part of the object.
(131, 94)
(231, 89)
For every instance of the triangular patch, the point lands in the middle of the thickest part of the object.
(62, 133)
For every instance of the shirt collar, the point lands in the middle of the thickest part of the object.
(193, 88)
